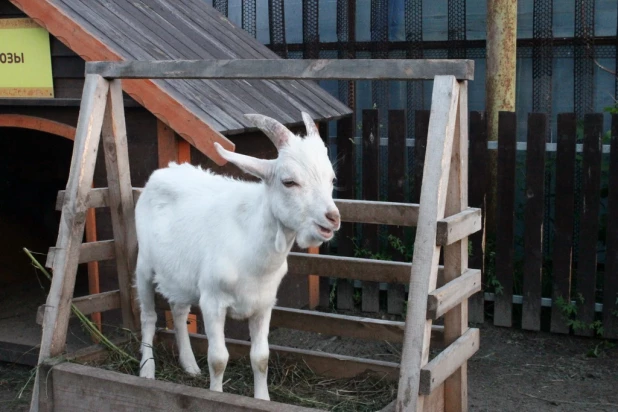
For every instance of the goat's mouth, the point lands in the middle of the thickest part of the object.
(325, 232)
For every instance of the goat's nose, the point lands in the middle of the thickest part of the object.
(333, 217)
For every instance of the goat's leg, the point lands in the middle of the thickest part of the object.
(145, 292)
(214, 323)
(180, 313)
(259, 325)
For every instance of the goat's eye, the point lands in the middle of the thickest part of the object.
(289, 183)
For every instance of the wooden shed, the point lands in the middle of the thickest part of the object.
(166, 120)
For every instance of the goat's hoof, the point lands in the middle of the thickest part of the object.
(147, 371)
(262, 396)
(193, 370)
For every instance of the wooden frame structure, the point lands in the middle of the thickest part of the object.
(442, 218)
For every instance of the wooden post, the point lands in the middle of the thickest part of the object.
(121, 202)
(444, 104)
(174, 149)
(71, 230)
(456, 255)
(93, 267)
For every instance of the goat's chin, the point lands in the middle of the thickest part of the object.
(307, 240)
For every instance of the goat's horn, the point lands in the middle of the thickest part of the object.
(312, 130)
(278, 133)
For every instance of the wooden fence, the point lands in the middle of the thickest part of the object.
(551, 256)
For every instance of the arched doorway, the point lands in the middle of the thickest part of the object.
(35, 158)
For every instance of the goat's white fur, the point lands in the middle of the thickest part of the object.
(223, 243)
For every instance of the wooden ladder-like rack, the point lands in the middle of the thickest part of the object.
(441, 384)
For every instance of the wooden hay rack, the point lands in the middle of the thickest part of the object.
(443, 220)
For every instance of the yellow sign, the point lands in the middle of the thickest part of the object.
(25, 60)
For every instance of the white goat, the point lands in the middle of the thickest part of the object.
(223, 243)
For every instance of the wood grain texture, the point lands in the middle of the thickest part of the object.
(456, 257)
(98, 302)
(448, 361)
(79, 387)
(453, 293)
(37, 123)
(358, 69)
(396, 293)
(444, 105)
(458, 226)
(477, 191)
(534, 213)
(421, 128)
(563, 223)
(121, 203)
(370, 298)
(610, 283)
(505, 218)
(589, 226)
(166, 144)
(71, 231)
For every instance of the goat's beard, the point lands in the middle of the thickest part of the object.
(305, 240)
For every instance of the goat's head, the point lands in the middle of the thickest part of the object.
(299, 181)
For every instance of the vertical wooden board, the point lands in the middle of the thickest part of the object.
(424, 271)
(505, 218)
(371, 179)
(346, 182)
(166, 144)
(534, 213)
(477, 184)
(121, 202)
(563, 223)
(589, 222)
(421, 127)
(610, 284)
(184, 150)
(71, 230)
(456, 255)
(396, 179)
(93, 267)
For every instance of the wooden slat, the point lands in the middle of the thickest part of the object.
(477, 184)
(326, 364)
(505, 218)
(589, 223)
(166, 144)
(370, 298)
(122, 208)
(610, 284)
(37, 123)
(448, 361)
(534, 213)
(382, 213)
(456, 256)
(346, 182)
(415, 353)
(88, 252)
(98, 197)
(453, 293)
(563, 223)
(359, 69)
(396, 190)
(458, 226)
(98, 302)
(421, 128)
(78, 387)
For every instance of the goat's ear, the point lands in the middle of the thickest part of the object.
(257, 167)
(276, 132)
(312, 130)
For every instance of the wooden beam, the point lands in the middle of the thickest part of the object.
(100, 302)
(38, 123)
(453, 293)
(153, 95)
(122, 208)
(166, 144)
(448, 361)
(80, 387)
(313, 282)
(458, 226)
(423, 279)
(88, 252)
(96, 198)
(326, 364)
(93, 267)
(277, 69)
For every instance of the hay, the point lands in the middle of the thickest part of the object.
(288, 382)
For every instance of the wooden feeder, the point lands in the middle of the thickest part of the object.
(443, 220)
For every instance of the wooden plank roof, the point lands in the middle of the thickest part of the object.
(198, 110)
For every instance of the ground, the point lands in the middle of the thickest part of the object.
(513, 371)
